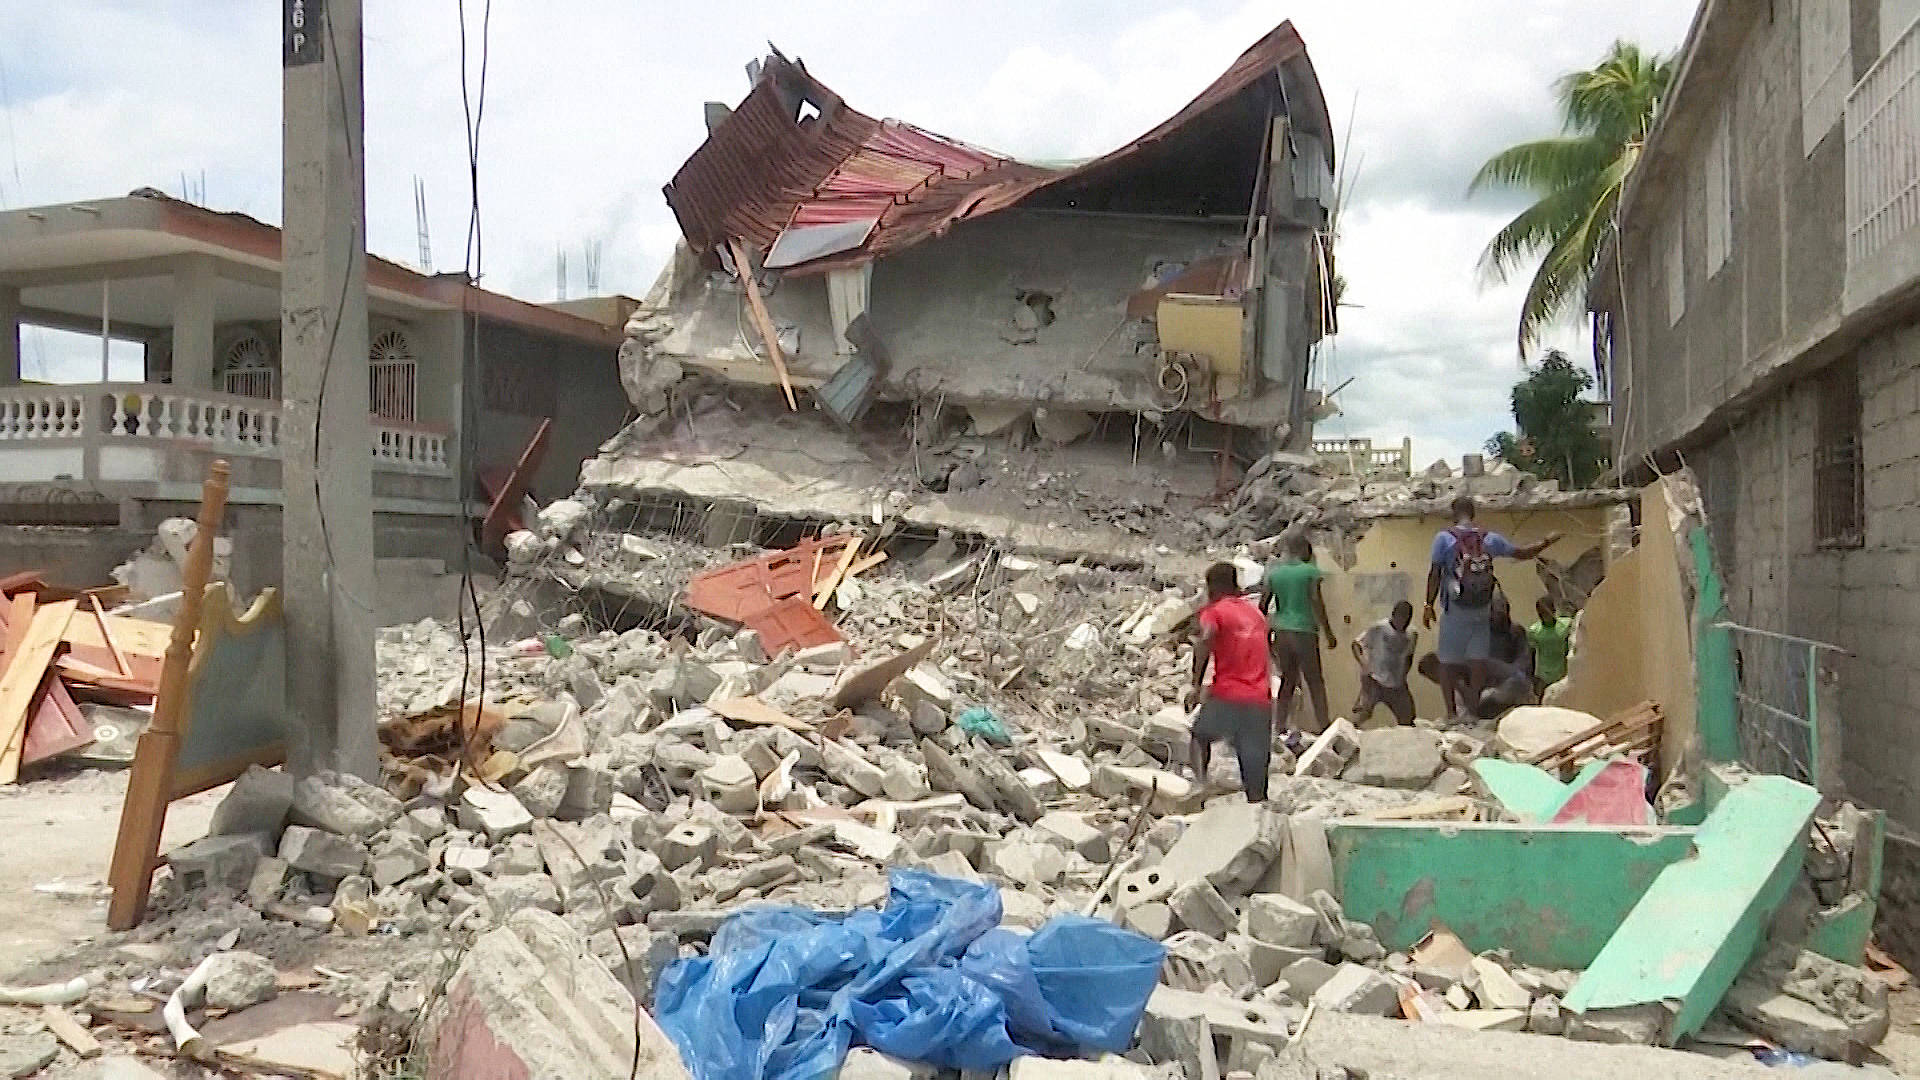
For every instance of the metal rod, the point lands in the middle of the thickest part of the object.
(1809, 642)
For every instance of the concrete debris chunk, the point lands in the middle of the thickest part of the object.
(542, 789)
(219, 862)
(1029, 864)
(328, 806)
(1407, 758)
(239, 979)
(397, 856)
(530, 998)
(1804, 1001)
(850, 767)
(730, 784)
(258, 802)
(1281, 920)
(1357, 989)
(1201, 907)
(1196, 961)
(1495, 988)
(495, 813)
(1331, 751)
(686, 843)
(1076, 834)
(322, 854)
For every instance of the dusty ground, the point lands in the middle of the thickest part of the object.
(60, 829)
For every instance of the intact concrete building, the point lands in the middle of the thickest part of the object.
(87, 470)
(1759, 321)
(1183, 277)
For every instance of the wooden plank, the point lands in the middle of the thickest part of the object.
(151, 785)
(19, 618)
(1647, 712)
(751, 710)
(824, 592)
(26, 667)
(106, 633)
(69, 1031)
(864, 565)
(56, 726)
(506, 501)
(24, 581)
(136, 637)
(762, 320)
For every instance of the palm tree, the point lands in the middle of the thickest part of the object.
(1606, 113)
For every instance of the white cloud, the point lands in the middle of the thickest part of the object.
(592, 105)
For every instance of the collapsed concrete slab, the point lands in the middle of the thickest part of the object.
(529, 999)
(1688, 938)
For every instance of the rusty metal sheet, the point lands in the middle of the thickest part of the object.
(771, 163)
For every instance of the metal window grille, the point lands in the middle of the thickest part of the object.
(1839, 475)
(392, 374)
(247, 368)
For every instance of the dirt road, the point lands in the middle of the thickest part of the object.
(61, 829)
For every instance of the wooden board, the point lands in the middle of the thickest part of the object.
(26, 667)
(739, 589)
(791, 624)
(136, 637)
(751, 710)
(762, 320)
(503, 511)
(56, 726)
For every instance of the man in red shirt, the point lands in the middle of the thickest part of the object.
(1235, 706)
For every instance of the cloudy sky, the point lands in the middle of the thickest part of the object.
(592, 104)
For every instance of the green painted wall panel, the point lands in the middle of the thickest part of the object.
(1716, 704)
(1689, 936)
(1553, 894)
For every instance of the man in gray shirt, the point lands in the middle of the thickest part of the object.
(1385, 652)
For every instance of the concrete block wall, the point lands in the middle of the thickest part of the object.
(1867, 599)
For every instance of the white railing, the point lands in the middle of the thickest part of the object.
(54, 412)
(1883, 150)
(1362, 457)
(104, 414)
(409, 448)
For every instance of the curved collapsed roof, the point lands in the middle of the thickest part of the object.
(817, 184)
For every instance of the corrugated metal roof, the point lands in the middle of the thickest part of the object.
(763, 169)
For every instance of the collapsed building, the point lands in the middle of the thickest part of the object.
(1180, 281)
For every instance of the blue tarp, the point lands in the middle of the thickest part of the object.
(932, 977)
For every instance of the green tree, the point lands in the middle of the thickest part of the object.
(1557, 440)
(1605, 113)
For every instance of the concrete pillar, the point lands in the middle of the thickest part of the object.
(326, 463)
(9, 336)
(847, 291)
(193, 316)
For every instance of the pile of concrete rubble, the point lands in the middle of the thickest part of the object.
(1294, 490)
(642, 787)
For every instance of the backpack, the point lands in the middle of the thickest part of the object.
(1473, 580)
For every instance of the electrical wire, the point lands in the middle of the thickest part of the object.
(468, 596)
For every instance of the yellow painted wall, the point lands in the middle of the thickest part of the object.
(1209, 326)
(1635, 642)
(1390, 564)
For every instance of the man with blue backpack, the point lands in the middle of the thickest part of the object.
(1460, 578)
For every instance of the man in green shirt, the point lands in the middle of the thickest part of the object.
(1298, 615)
(1550, 638)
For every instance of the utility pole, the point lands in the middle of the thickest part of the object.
(327, 462)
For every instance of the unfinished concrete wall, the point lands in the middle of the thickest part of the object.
(1785, 267)
(524, 378)
(1758, 486)
(946, 310)
(1390, 564)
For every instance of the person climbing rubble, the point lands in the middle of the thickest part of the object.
(1385, 653)
(1461, 581)
(1299, 615)
(1232, 642)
